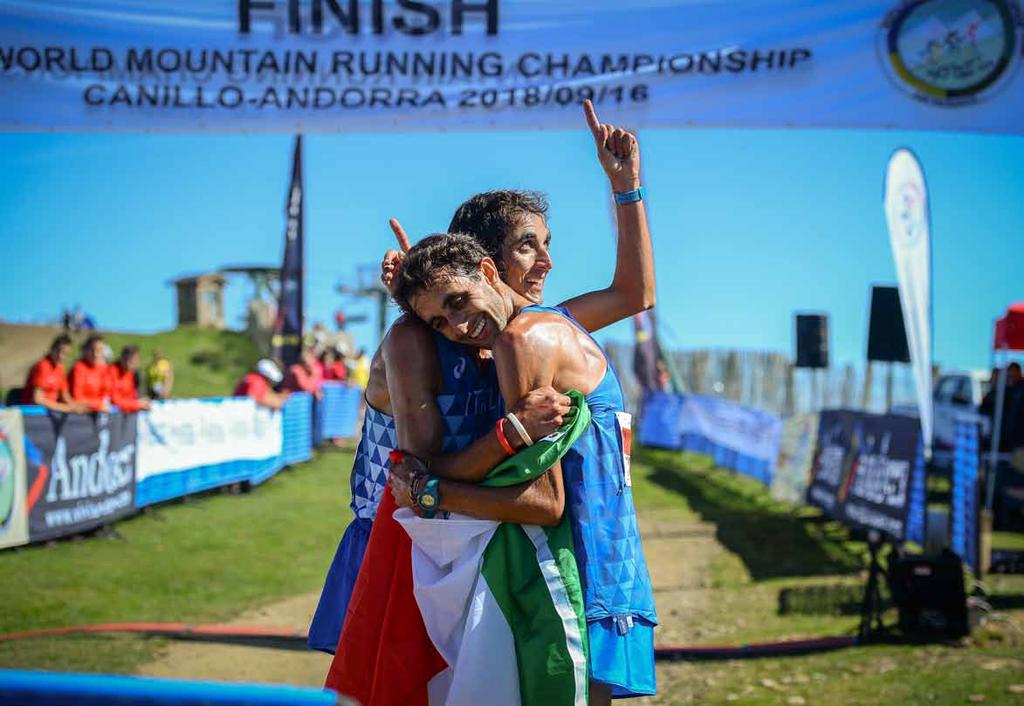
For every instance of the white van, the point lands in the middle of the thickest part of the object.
(955, 392)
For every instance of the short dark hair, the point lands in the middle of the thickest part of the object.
(490, 217)
(91, 340)
(59, 342)
(1014, 366)
(436, 258)
(127, 352)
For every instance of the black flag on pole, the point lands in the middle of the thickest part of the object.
(648, 362)
(287, 339)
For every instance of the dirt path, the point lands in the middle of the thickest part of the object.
(677, 553)
(193, 660)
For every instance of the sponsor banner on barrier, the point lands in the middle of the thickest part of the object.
(864, 470)
(378, 65)
(744, 430)
(13, 515)
(178, 435)
(80, 471)
(796, 458)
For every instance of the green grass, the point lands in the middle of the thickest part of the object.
(206, 363)
(214, 557)
(771, 547)
(207, 559)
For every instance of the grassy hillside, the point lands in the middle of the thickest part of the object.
(206, 363)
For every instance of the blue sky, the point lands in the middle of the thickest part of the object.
(749, 226)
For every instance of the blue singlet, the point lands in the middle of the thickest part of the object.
(616, 586)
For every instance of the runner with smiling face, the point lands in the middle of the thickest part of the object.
(414, 365)
(416, 393)
(450, 283)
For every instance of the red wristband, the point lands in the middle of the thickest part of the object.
(499, 431)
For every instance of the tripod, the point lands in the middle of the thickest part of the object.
(871, 607)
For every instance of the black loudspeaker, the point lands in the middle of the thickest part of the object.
(887, 336)
(811, 341)
(929, 593)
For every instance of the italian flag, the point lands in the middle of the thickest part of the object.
(469, 611)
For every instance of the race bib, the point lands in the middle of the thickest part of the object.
(625, 423)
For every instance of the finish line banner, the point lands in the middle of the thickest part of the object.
(386, 65)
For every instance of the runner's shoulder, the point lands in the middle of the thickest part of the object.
(537, 331)
(407, 334)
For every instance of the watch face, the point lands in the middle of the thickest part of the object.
(427, 501)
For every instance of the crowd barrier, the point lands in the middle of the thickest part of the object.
(739, 438)
(22, 688)
(62, 474)
(966, 491)
(865, 470)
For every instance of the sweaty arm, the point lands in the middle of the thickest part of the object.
(411, 365)
(524, 363)
(411, 368)
(632, 288)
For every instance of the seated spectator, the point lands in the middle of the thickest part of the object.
(47, 383)
(160, 377)
(333, 366)
(90, 380)
(259, 385)
(123, 391)
(305, 376)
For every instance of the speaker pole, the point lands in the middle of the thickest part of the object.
(868, 379)
(888, 387)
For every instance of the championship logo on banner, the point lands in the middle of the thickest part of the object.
(81, 471)
(388, 65)
(13, 516)
(863, 472)
(906, 211)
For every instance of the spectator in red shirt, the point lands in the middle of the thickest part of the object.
(305, 376)
(47, 383)
(90, 380)
(333, 365)
(258, 384)
(123, 392)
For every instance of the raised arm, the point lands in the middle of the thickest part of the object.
(632, 287)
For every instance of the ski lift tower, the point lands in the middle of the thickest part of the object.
(368, 286)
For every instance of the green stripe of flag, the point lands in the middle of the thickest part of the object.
(548, 658)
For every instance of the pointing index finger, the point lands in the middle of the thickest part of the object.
(592, 122)
(399, 231)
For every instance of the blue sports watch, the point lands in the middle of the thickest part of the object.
(624, 197)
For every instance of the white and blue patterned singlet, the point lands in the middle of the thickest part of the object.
(470, 404)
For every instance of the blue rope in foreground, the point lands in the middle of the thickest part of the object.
(23, 688)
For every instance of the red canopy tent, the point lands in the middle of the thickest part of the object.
(1010, 329)
(1009, 336)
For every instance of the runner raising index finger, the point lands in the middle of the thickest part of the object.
(399, 231)
(393, 258)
